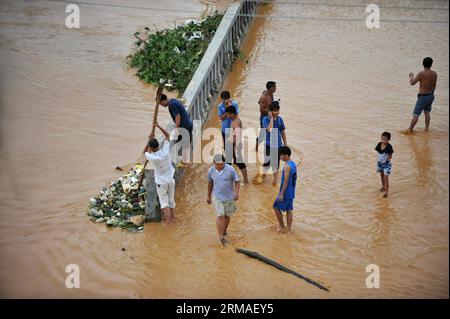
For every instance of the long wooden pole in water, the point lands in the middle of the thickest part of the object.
(155, 116)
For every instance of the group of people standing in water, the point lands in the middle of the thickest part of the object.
(223, 180)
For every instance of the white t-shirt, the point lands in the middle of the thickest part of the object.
(162, 163)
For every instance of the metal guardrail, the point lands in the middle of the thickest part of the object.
(206, 83)
(210, 73)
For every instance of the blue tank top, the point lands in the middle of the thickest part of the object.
(289, 193)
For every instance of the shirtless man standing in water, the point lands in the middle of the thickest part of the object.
(425, 98)
(264, 103)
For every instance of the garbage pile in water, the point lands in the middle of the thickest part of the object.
(121, 204)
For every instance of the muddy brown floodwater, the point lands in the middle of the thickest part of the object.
(71, 111)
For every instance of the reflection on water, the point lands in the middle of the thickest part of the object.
(71, 112)
(423, 156)
(384, 218)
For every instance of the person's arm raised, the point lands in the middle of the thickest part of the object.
(223, 116)
(166, 134)
(270, 126)
(414, 79)
(145, 149)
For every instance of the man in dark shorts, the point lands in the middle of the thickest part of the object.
(234, 144)
(425, 98)
(183, 124)
(264, 103)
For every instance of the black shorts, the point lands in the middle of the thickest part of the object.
(238, 159)
(223, 140)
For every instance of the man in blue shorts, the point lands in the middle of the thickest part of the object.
(425, 98)
(285, 199)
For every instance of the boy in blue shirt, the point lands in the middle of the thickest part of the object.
(221, 110)
(285, 199)
(275, 138)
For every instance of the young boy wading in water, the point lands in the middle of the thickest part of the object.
(224, 181)
(159, 156)
(384, 165)
(285, 198)
(233, 144)
(425, 98)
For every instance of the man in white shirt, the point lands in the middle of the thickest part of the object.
(159, 156)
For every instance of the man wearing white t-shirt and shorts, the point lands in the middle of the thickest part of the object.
(159, 156)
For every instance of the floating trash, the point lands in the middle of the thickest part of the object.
(121, 204)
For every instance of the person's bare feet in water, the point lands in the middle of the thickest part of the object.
(187, 165)
(385, 195)
(259, 179)
(224, 241)
(382, 189)
(281, 229)
(408, 132)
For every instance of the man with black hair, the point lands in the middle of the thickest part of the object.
(159, 156)
(183, 123)
(275, 138)
(224, 182)
(234, 142)
(425, 98)
(285, 199)
(264, 103)
(221, 110)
